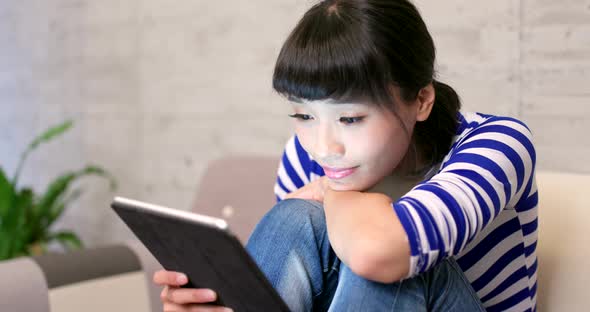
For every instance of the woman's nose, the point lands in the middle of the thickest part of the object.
(328, 144)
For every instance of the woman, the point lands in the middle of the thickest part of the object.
(389, 198)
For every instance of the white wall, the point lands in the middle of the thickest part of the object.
(158, 88)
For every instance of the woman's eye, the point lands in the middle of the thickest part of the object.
(350, 120)
(301, 116)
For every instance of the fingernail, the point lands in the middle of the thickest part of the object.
(181, 279)
(211, 295)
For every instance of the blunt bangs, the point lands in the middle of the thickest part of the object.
(328, 56)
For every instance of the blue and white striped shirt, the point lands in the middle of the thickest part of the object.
(480, 207)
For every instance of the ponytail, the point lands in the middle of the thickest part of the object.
(433, 136)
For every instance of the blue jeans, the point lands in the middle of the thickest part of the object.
(291, 246)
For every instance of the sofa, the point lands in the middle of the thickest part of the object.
(239, 189)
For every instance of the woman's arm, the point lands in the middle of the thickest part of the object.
(489, 170)
(296, 169)
(366, 234)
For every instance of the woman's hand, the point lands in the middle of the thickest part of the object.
(176, 299)
(314, 190)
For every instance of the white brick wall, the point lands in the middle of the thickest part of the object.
(157, 88)
(555, 90)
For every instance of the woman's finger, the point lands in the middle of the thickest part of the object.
(164, 294)
(305, 192)
(190, 295)
(170, 278)
(173, 307)
(295, 194)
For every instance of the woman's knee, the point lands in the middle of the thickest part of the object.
(449, 289)
(296, 212)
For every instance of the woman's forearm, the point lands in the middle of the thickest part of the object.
(367, 236)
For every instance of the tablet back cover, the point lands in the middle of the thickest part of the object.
(210, 257)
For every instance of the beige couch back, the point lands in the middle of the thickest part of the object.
(238, 189)
(564, 241)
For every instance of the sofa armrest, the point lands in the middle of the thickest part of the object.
(109, 278)
(22, 286)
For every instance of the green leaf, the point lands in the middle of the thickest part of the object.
(16, 214)
(57, 209)
(15, 224)
(5, 245)
(46, 136)
(67, 239)
(51, 133)
(49, 204)
(23, 203)
(6, 195)
(41, 211)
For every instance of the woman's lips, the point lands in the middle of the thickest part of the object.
(337, 173)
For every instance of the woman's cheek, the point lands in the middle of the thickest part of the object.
(303, 134)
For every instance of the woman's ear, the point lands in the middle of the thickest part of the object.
(425, 101)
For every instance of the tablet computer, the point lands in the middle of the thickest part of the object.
(205, 250)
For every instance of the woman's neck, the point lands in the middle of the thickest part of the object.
(396, 185)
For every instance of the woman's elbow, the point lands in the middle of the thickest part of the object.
(375, 265)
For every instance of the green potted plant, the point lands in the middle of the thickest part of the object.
(26, 218)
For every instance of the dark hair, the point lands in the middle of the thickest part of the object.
(349, 50)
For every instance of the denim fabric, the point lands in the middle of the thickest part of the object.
(291, 246)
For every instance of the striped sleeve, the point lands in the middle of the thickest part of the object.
(294, 169)
(487, 171)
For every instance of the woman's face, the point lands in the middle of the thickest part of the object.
(357, 144)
